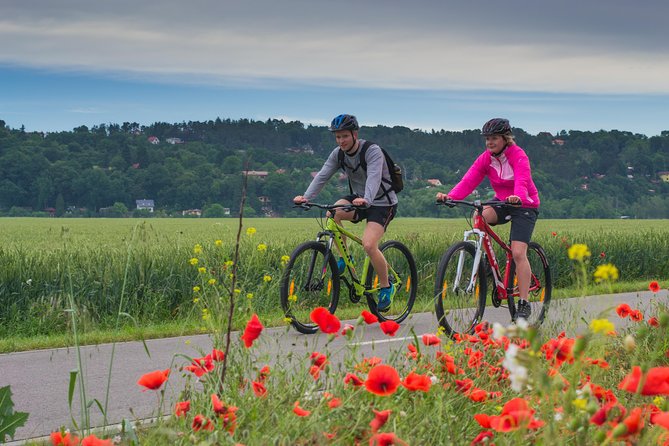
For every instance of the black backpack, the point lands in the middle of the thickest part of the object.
(396, 181)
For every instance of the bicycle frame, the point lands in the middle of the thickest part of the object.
(333, 233)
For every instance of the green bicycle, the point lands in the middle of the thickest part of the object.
(312, 278)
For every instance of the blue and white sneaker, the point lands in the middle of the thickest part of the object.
(386, 298)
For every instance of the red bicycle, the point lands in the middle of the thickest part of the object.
(461, 283)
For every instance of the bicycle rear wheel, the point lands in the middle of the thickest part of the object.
(402, 274)
(309, 281)
(541, 285)
(459, 290)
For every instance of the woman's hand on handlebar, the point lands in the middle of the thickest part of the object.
(514, 199)
(442, 197)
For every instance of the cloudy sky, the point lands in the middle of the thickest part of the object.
(428, 64)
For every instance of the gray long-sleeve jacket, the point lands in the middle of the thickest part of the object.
(365, 184)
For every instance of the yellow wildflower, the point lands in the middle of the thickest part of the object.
(284, 260)
(658, 401)
(218, 243)
(250, 231)
(262, 247)
(580, 403)
(202, 270)
(194, 261)
(237, 291)
(212, 282)
(267, 278)
(249, 295)
(197, 249)
(196, 289)
(196, 300)
(292, 298)
(205, 314)
(578, 252)
(287, 320)
(601, 326)
(606, 272)
(228, 264)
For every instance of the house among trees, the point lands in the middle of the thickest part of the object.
(192, 212)
(174, 141)
(145, 204)
(434, 182)
(558, 142)
(664, 176)
(262, 174)
(153, 140)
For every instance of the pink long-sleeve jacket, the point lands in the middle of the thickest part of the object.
(509, 174)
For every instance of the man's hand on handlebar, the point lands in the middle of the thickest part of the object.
(360, 202)
(300, 200)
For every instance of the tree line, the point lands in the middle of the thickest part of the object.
(103, 170)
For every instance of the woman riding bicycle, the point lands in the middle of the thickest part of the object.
(508, 168)
(369, 189)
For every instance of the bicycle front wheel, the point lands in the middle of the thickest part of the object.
(309, 281)
(402, 274)
(459, 290)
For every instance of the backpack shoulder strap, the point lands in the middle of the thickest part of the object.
(363, 151)
(340, 159)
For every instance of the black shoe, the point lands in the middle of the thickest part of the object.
(524, 310)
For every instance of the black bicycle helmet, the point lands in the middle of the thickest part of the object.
(496, 126)
(344, 122)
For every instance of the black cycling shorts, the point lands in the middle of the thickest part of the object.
(522, 221)
(382, 215)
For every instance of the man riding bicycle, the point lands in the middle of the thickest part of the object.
(369, 189)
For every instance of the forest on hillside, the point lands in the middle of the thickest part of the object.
(198, 166)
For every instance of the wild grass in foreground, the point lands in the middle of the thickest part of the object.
(508, 385)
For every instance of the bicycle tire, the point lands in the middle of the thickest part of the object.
(402, 271)
(540, 297)
(300, 293)
(456, 313)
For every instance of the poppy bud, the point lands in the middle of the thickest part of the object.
(619, 430)
(592, 407)
(600, 436)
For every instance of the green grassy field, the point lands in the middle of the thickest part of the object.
(141, 268)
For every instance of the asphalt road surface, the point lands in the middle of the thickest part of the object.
(39, 379)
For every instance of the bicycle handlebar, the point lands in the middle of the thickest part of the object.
(328, 207)
(478, 204)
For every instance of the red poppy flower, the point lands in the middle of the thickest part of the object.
(334, 403)
(326, 321)
(354, 380)
(366, 364)
(347, 328)
(660, 419)
(653, 322)
(58, 439)
(413, 351)
(382, 380)
(430, 339)
(654, 286)
(478, 395)
(415, 382)
(263, 374)
(253, 329)
(368, 317)
(656, 382)
(92, 440)
(318, 359)
(200, 366)
(554, 234)
(386, 439)
(315, 372)
(154, 380)
(181, 408)
(559, 350)
(611, 412)
(482, 438)
(623, 310)
(217, 355)
(225, 413)
(630, 425)
(259, 389)
(380, 418)
(515, 414)
(200, 422)
(389, 327)
(636, 315)
(297, 410)
(602, 255)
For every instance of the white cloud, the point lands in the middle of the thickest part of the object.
(263, 42)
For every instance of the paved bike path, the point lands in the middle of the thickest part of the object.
(39, 379)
